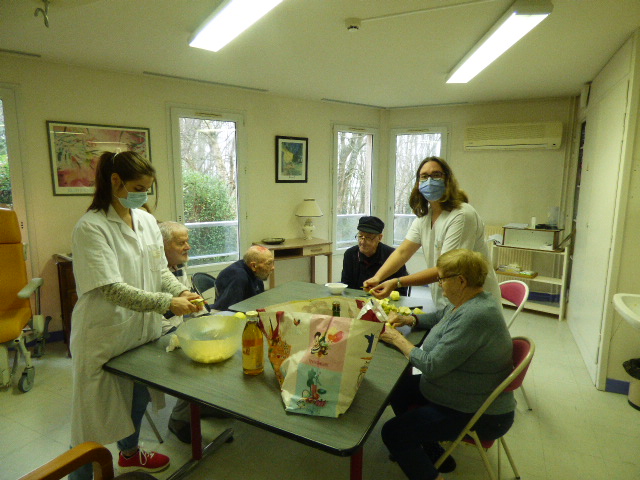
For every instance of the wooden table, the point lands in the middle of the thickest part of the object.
(256, 400)
(300, 248)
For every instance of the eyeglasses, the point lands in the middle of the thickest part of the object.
(365, 238)
(440, 279)
(434, 175)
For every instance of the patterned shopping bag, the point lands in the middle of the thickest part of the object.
(320, 360)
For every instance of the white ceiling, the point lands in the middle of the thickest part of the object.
(302, 48)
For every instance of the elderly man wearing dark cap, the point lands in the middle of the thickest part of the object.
(362, 261)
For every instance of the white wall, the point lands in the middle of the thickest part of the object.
(503, 186)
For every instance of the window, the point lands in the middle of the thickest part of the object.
(6, 199)
(12, 194)
(12, 191)
(206, 145)
(353, 181)
(409, 148)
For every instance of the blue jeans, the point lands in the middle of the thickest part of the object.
(139, 404)
(406, 434)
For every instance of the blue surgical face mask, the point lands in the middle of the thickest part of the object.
(134, 199)
(432, 189)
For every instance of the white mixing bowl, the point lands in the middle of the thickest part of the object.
(212, 338)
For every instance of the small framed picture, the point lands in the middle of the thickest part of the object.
(291, 159)
(76, 147)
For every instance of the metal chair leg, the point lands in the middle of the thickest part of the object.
(483, 454)
(526, 400)
(508, 452)
(153, 427)
(499, 458)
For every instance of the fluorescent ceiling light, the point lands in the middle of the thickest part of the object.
(230, 19)
(519, 20)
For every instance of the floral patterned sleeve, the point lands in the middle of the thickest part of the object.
(171, 284)
(124, 295)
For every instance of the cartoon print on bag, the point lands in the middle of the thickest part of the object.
(363, 370)
(313, 394)
(321, 343)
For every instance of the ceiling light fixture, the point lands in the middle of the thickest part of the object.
(230, 19)
(519, 20)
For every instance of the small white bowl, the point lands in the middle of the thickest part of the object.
(336, 288)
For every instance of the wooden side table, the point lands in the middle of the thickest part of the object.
(300, 248)
(68, 295)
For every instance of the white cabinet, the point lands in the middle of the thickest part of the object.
(551, 266)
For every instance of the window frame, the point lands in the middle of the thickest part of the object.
(442, 129)
(375, 174)
(175, 112)
(19, 188)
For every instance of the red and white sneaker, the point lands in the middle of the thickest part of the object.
(143, 461)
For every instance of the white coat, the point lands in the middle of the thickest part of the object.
(106, 250)
(459, 228)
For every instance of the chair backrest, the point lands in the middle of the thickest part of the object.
(83, 454)
(69, 461)
(517, 293)
(13, 270)
(523, 350)
(202, 282)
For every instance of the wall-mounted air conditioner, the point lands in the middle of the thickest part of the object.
(513, 136)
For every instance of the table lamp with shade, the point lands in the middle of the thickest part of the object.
(308, 208)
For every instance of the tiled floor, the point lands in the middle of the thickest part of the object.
(573, 432)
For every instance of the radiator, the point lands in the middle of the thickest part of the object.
(521, 257)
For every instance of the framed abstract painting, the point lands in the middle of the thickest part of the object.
(75, 148)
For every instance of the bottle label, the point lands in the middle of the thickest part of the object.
(252, 349)
(252, 358)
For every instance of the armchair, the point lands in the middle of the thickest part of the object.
(17, 322)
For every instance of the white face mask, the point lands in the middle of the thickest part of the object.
(134, 199)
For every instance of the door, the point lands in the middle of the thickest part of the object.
(594, 225)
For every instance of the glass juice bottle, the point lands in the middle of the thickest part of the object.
(252, 346)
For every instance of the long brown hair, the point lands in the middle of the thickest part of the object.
(128, 166)
(453, 196)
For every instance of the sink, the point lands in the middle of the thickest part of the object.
(628, 306)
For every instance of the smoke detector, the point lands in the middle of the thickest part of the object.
(352, 24)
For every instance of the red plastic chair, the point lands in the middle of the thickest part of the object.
(517, 293)
(523, 349)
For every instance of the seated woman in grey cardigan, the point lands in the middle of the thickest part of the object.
(465, 356)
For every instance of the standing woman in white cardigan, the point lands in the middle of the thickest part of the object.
(445, 222)
(123, 287)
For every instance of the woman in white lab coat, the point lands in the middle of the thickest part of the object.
(445, 222)
(123, 287)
